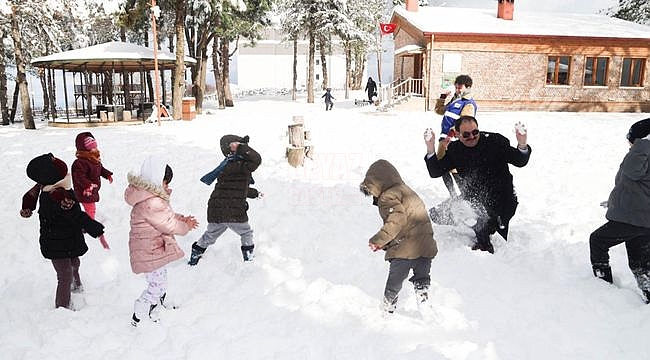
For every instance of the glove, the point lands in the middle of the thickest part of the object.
(89, 190)
(110, 179)
(26, 213)
(102, 240)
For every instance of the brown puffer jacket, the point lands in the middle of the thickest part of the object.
(407, 231)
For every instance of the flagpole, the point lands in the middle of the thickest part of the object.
(154, 13)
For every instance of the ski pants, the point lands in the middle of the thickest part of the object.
(637, 243)
(399, 270)
(67, 271)
(156, 288)
(215, 230)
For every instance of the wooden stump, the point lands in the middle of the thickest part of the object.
(297, 135)
(296, 156)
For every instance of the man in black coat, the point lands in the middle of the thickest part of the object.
(371, 89)
(481, 159)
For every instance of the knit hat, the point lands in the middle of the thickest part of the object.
(153, 169)
(46, 169)
(85, 141)
(639, 130)
(227, 139)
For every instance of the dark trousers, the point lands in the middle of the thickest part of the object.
(637, 243)
(328, 105)
(67, 272)
(399, 270)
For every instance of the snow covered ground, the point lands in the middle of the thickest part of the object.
(314, 289)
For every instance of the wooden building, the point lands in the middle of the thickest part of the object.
(525, 61)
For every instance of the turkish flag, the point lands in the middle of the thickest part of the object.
(387, 28)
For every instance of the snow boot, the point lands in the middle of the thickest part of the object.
(421, 293)
(389, 306)
(603, 271)
(197, 252)
(169, 305)
(247, 252)
(154, 316)
(646, 293)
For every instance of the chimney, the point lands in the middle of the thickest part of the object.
(412, 5)
(505, 9)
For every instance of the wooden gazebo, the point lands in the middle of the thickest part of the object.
(105, 61)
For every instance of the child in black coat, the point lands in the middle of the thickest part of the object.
(62, 222)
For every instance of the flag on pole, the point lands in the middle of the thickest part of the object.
(387, 28)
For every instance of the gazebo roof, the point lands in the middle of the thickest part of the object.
(115, 55)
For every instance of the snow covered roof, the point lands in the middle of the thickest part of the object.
(449, 20)
(116, 55)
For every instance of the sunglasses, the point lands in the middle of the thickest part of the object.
(469, 134)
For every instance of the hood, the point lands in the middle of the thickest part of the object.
(225, 141)
(381, 176)
(79, 141)
(140, 189)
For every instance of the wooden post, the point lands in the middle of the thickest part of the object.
(297, 135)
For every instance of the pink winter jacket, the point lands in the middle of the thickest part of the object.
(153, 225)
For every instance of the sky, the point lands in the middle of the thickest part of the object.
(314, 288)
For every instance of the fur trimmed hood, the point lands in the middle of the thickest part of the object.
(141, 189)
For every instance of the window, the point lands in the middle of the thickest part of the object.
(596, 71)
(632, 72)
(317, 76)
(317, 62)
(558, 70)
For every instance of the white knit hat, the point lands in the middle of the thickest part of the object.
(153, 169)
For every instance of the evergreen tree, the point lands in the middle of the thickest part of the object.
(632, 10)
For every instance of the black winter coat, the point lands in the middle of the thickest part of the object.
(227, 202)
(484, 173)
(61, 230)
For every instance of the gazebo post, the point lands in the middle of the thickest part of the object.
(89, 92)
(65, 96)
(83, 93)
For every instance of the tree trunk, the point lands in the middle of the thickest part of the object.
(359, 67)
(21, 78)
(51, 88)
(348, 68)
(14, 104)
(202, 81)
(179, 71)
(126, 81)
(225, 73)
(46, 94)
(4, 111)
(310, 68)
(216, 63)
(323, 62)
(195, 75)
(295, 68)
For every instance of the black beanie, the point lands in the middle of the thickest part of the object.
(46, 169)
(639, 130)
(225, 141)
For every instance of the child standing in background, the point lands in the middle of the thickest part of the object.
(62, 223)
(86, 172)
(328, 99)
(153, 225)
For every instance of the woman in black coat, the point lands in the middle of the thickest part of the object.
(371, 88)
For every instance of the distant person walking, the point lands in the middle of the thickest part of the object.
(371, 89)
(328, 99)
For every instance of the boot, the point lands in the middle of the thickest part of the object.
(154, 316)
(389, 306)
(646, 293)
(247, 252)
(197, 252)
(167, 304)
(421, 293)
(603, 271)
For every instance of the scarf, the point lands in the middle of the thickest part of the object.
(210, 177)
(92, 155)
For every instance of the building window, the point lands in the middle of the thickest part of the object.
(317, 62)
(632, 72)
(317, 76)
(596, 71)
(558, 70)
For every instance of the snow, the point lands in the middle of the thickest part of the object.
(314, 289)
(484, 21)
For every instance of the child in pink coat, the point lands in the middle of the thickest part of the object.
(153, 225)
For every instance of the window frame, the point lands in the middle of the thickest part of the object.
(556, 72)
(630, 82)
(594, 71)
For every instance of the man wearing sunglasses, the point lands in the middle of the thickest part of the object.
(481, 159)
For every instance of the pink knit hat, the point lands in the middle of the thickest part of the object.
(90, 143)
